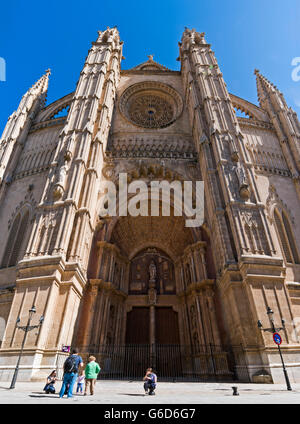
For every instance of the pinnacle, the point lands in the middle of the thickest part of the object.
(264, 86)
(42, 83)
(263, 79)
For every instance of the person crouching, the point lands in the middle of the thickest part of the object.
(150, 379)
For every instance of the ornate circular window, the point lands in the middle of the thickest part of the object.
(151, 105)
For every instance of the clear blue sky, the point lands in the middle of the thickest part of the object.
(36, 35)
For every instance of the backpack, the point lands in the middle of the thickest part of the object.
(70, 364)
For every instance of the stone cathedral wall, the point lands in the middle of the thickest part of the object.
(26, 189)
(275, 184)
(27, 186)
(276, 189)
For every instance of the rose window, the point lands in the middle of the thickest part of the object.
(151, 111)
(150, 105)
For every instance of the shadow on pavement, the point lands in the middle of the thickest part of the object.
(42, 396)
(130, 394)
(42, 393)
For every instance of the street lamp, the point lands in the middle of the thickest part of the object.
(274, 330)
(26, 329)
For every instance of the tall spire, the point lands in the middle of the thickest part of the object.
(285, 122)
(37, 90)
(18, 118)
(32, 101)
(265, 88)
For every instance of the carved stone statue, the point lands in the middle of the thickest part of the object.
(243, 182)
(152, 271)
(62, 174)
(240, 173)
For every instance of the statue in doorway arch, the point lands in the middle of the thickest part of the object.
(152, 271)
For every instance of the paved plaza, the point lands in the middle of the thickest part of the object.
(124, 392)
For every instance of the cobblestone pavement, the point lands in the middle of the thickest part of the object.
(122, 392)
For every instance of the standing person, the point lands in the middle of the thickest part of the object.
(51, 379)
(71, 366)
(92, 369)
(150, 379)
(80, 381)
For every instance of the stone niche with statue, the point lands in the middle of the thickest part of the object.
(152, 267)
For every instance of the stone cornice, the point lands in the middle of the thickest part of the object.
(246, 122)
(265, 170)
(197, 287)
(199, 245)
(293, 285)
(25, 174)
(49, 123)
(112, 247)
(149, 72)
(108, 286)
(42, 261)
(261, 260)
(7, 289)
(57, 205)
(27, 268)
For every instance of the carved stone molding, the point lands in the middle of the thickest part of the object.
(107, 286)
(173, 147)
(28, 202)
(201, 287)
(249, 219)
(274, 201)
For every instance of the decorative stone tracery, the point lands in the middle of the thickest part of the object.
(151, 111)
(151, 104)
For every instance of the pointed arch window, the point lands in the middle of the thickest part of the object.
(15, 240)
(286, 237)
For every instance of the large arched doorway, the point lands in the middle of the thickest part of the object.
(153, 327)
(152, 273)
(150, 299)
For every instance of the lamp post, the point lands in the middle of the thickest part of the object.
(26, 329)
(274, 330)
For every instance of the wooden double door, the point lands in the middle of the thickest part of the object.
(164, 354)
(165, 326)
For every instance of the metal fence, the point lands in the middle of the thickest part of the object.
(171, 362)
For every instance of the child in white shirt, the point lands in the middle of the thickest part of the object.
(80, 381)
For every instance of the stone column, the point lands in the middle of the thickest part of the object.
(152, 325)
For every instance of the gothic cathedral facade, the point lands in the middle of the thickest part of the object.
(119, 280)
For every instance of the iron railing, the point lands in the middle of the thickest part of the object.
(171, 362)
